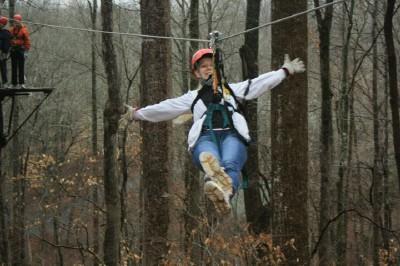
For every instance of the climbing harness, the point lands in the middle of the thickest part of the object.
(219, 110)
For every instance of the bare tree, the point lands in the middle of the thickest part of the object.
(93, 17)
(377, 173)
(112, 113)
(393, 86)
(4, 247)
(256, 212)
(192, 182)
(155, 86)
(324, 21)
(289, 127)
(343, 131)
(194, 33)
(387, 220)
(96, 222)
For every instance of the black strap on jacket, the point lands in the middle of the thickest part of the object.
(206, 87)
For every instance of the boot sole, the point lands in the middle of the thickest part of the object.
(213, 170)
(217, 197)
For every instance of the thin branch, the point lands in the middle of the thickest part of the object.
(69, 247)
(334, 219)
(82, 198)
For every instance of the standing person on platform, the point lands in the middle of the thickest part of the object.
(20, 45)
(5, 37)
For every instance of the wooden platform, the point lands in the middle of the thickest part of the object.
(5, 137)
(27, 91)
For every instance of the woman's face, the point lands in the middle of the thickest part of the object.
(204, 69)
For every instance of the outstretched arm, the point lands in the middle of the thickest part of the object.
(165, 110)
(267, 81)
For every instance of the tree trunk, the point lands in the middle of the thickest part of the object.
(393, 86)
(377, 177)
(18, 238)
(194, 33)
(255, 210)
(11, 8)
(192, 181)
(192, 213)
(156, 85)
(290, 134)
(2, 3)
(4, 240)
(387, 199)
(350, 184)
(95, 192)
(326, 136)
(60, 257)
(93, 15)
(209, 13)
(112, 113)
(343, 127)
(182, 47)
(4, 248)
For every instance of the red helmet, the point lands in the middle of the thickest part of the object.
(3, 20)
(199, 55)
(17, 17)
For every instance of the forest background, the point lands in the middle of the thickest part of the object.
(77, 187)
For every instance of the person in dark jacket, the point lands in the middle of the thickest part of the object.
(20, 45)
(5, 37)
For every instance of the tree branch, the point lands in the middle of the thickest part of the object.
(69, 247)
(334, 219)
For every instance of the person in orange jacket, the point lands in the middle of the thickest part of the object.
(20, 45)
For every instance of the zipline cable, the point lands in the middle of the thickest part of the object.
(283, 19)
(144, 36)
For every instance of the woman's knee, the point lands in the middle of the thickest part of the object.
(231, 165)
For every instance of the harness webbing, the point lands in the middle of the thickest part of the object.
(219, 79)
(212, 108)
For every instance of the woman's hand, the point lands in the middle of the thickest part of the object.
(293, 66)
(130, 114)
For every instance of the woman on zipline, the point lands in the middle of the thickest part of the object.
(219, 135)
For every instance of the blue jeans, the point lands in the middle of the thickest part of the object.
(229, 150)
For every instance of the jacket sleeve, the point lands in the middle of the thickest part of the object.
(27, 40)
(259, 85)
(3, 41)
(7, 42)
(167, 109)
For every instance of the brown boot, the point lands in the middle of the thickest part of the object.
(218, 197)
(213, 170)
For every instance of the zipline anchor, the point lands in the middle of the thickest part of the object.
(215, 39)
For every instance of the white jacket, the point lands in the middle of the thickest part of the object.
(172, 108)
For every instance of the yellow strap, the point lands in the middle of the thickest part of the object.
(214, 76)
